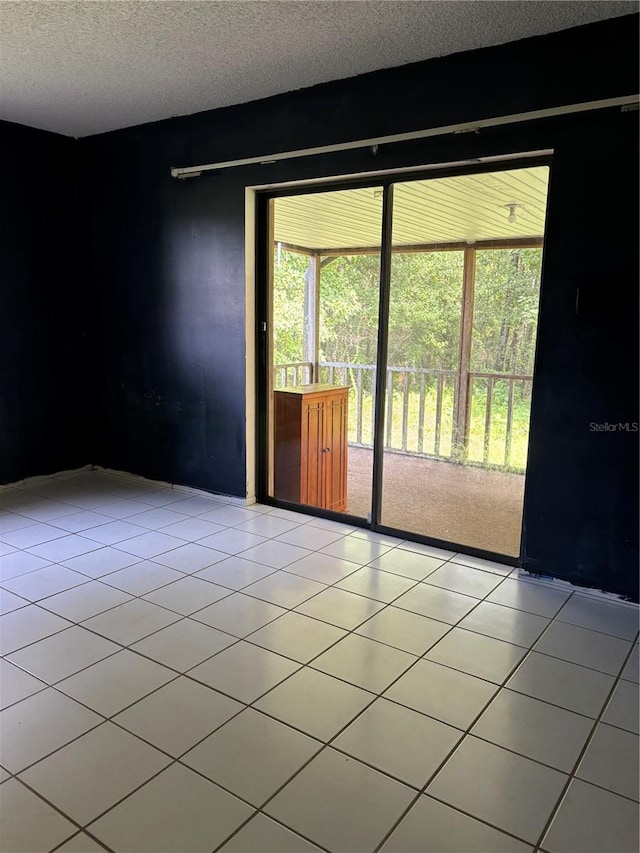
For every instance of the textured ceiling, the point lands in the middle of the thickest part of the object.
(81, 68)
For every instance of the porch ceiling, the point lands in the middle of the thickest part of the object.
(460, 209)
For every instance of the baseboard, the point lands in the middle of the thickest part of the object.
(41, 478)
(183, 490)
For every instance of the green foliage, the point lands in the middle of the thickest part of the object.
(424, 332)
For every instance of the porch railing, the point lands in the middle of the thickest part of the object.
(422, 410)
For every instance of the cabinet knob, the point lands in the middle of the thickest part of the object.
(326, 449)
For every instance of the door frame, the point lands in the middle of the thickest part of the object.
(262, 325)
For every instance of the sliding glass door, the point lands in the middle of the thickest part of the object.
(458, 291)
(322, 351)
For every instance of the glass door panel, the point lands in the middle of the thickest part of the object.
(322, 348)
(464, 293)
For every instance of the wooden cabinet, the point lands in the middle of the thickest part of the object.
(310, 445)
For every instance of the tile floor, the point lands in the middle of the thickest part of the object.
(182, 674)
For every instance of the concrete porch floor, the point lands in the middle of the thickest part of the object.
(464, 505)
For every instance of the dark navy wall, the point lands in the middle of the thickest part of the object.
(43, 384)
(167, 271)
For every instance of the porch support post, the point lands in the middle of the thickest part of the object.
(312, 314)
(463, 406)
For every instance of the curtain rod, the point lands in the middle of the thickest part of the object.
(629, 101)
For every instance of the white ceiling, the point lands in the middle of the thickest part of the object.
(458, 209)
(81, 68)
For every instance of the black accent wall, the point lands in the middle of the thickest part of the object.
(166, 264)
(44, 386)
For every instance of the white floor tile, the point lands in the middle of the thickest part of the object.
(585, 647)
(540, 599)
(631, 669)
(114, 532)
(565, 684)
(150, 544)
(94, 772)
(82, 602)
(322, 568)
(315, 703)
(35, 534)
(399, 741)
(617, 620)
(40, 724)
(364, 663)
(464, 579)
(267, 525)
(232, 541)
(28, 823)
(521, 807)
(19, 563)
(436, 603)
(341, 608)
(10, 521)
(244, 671)
(142, 578)
(356, 550)
(376, 584)
(311, 538)
(196, 505)
(408, 563)
(475, 654)
(65, 548)
(612, 761)
(131, 621)
(176, 811)
(44, 582)
(184, 644)
(504, 623)
(267, 836)
(239, 614)
(591, 820)
(178, 715)
(16, 684)
(187, 595)
(154, 519)
(229, 516)
(96, 564)
(9, 601)
(623, 709)
(296, 636)
(535, 729)
(275, 554)
(190, 558)
(252, 755)
(322, 523)
(446, 830)
(483, 564)
(192, 529)
(80, 843)
(59, 656)
(83, 520)
(27, 625)
(443, 693)
(284, 589)
(115, 683)
(341, 804)
(235, 572)
(403, 630)
(428, 550)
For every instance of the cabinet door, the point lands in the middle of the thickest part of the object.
(335, 453)
(312, 452)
